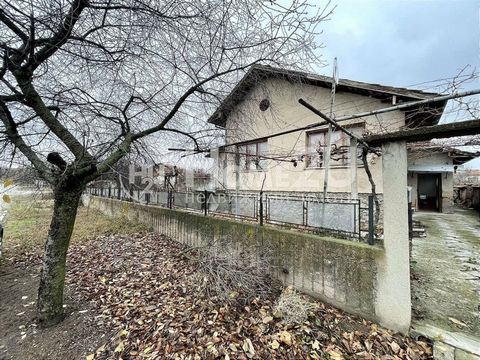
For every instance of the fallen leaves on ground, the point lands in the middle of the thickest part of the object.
(150, 295)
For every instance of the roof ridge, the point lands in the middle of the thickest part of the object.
(262, 71)
(330, 78)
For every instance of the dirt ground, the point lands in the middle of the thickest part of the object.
(130, 294)
(27, 221)
(77, 336)
(134, 297)
(446, 272)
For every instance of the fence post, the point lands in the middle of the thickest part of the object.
(410, 228)
(109, 191)
(205, 202)
(305, 211)
(1, 239)
(371, 226)
(410, 221)
(260, 208)
(169, 198)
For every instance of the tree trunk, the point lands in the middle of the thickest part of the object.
(52, 278)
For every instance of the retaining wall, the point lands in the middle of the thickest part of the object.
(340, 272)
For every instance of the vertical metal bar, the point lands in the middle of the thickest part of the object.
(410, 229)
(410, 221)
(371, 230)
(267, 208)
(359, 220)
(205, 202)
(1, 239)
(260, 208)
(305, 212)
(237, 181)
(354, 218)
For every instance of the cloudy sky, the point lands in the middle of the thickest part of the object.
(403, 42)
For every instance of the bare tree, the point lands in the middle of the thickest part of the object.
(82, 82)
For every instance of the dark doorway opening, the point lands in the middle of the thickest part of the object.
(429, 192)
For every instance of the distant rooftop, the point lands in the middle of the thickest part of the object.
(459, 156)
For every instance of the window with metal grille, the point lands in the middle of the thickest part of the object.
(250, 156)
(340, 147)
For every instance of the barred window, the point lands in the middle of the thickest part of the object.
(250, 156)
(340, 147)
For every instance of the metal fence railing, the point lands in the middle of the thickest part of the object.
(234, 205)
(305, 211)
(336, 215)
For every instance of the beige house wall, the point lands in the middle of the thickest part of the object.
(247, 121)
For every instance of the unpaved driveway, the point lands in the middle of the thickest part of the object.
(446, 271)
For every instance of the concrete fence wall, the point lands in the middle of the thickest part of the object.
(347, 274)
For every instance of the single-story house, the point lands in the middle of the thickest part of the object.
(265, 102)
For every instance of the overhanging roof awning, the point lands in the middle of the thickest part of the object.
(433, 168)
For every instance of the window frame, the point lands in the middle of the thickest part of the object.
(344, 137)
(246, 159)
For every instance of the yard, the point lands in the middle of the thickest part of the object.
(133, 294)
(446, 271)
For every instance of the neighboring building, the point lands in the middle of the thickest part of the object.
(265, 102)
(431, 170)
(468, 176)
(466, 191)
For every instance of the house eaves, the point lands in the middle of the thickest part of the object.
(424, 116)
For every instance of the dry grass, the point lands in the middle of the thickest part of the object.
(232, 274)
(292, 307)
(29, 218)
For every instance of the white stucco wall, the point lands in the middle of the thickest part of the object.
(393, 303)
(248, 122)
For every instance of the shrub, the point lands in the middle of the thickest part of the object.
(292, 307)
(231, 273)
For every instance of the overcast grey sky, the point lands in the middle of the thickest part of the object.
(402, 42)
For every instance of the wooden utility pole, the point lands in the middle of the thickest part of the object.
(329, 133)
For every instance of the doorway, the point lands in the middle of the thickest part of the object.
(429, 192)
